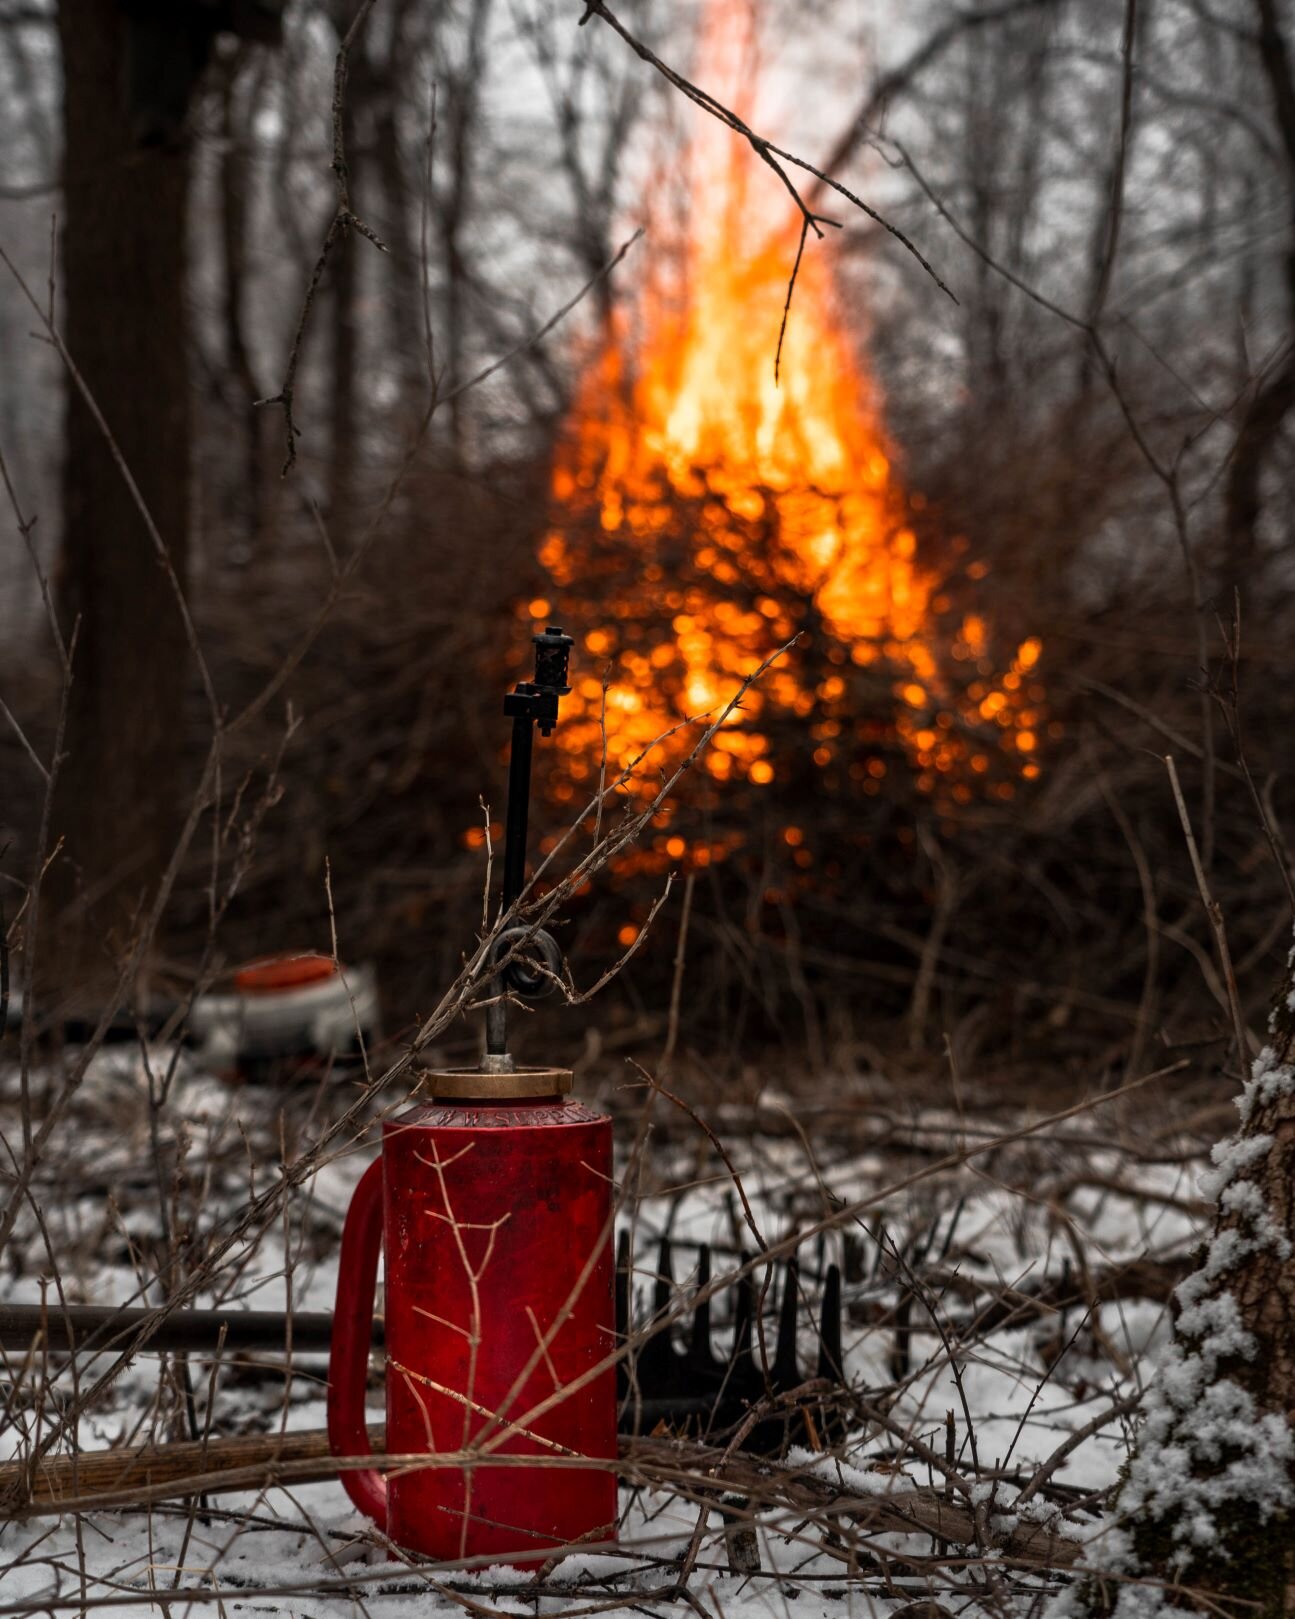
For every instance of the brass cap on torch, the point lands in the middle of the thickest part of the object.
(471, 1084)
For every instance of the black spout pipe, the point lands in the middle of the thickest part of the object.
(519, 806)
(533, 702)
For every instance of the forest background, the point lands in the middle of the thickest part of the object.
(1094, 406)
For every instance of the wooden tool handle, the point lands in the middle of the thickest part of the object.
(139, 1473)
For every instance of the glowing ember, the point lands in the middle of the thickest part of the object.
(710, 513)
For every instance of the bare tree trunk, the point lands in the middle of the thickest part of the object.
(123, 281)
(235, 190)
(345, 416)
(985, 136)
(397, 83)
(1261, 426)
(461, 103)
(1107, 223)
(348, 346)
(1274, 399)
(1208, 1504)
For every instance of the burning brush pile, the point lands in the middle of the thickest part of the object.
(711, 505)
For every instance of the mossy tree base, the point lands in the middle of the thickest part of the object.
(1204, 1519)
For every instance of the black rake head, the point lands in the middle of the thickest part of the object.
(677, 1383)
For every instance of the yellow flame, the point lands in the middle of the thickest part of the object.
(799, 517)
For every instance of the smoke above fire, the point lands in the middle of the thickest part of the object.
(706, 511)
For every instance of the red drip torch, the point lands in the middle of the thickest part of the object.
(492, 1202)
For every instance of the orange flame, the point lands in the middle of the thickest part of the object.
(711, 511)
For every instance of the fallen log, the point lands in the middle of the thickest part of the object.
(106, 1329)
(141, 1474)
(137, 1476)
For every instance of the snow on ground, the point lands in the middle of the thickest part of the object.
(1067, 1204)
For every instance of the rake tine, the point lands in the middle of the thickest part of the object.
(622, 1308)
(852, 1257)
(701, 1357)
(922, 1247)
(786, 1373)
(832, 1423)
(663, 1287)
(883, 1246)
(623, 1285)
(659, 1363)
(742, 1376)
(953, 1226)
(829, 1329)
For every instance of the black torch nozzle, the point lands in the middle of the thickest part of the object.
(552, 661)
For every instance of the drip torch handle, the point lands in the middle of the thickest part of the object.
(532, 702)
(348, 1359)
(519, 808)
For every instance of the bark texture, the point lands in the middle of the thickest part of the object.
(1273, 399)
(1205, 1517)
(122, 275)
